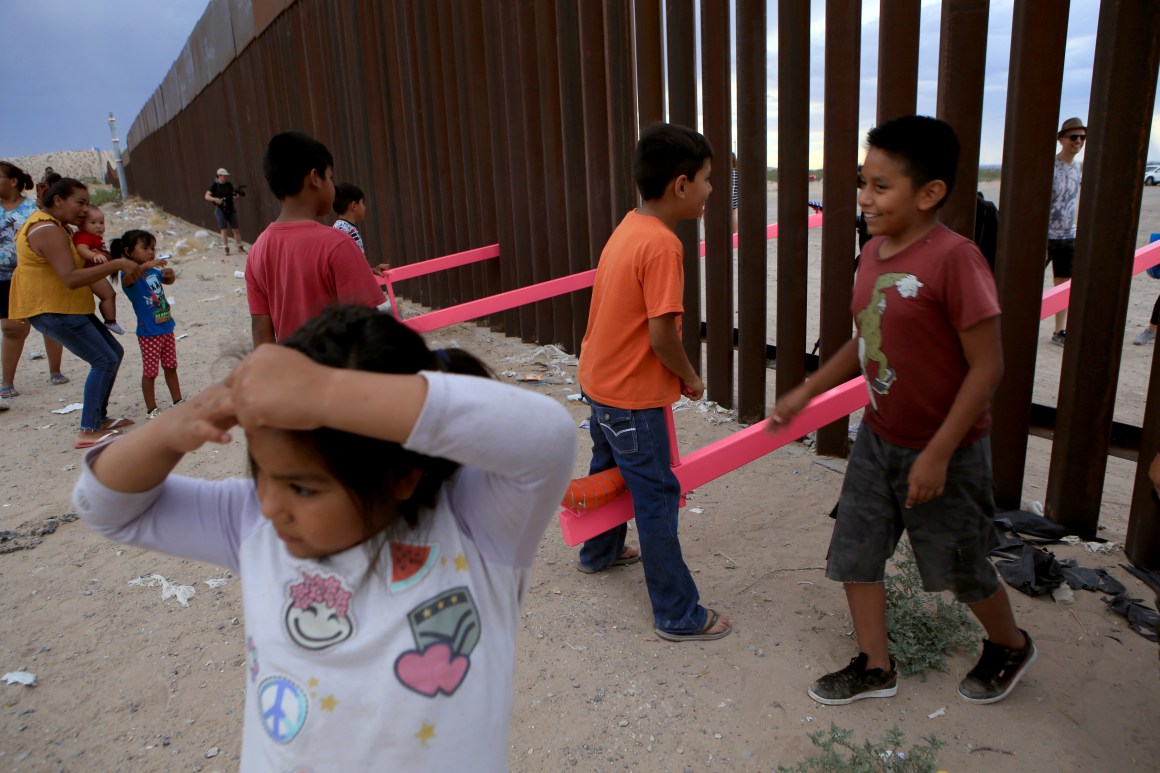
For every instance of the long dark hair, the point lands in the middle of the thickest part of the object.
(358, 338)
(128, 241)
(22, 178)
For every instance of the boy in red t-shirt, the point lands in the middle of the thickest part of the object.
(928, 345)
(632, 367)
(90, 243)
(298, 267)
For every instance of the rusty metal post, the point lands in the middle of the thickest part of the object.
(682, 92)
(1034, 81)
(594, 89)
(650, 78)
(621, 104)
(1142, 545)
(715, 95)
(552, 171)
(752, 158)
(582, 254)
(1123, 89)
(793, 125)
(839, 196)
(898, 28)
(456, 16)
(535, 207)
(962, 67)
(453, 166)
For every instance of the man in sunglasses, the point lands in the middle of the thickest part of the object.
(1064, 204)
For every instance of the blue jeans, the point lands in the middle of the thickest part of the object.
(87, 338)
(637, 442)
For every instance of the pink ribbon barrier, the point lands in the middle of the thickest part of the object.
(722, 457)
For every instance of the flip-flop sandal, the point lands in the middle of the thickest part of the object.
(701, 635)
(622, 561)
(8, 391)
(109, 424)
(99, 441)
(57, 379)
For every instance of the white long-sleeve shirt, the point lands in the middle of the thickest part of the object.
(407, 666)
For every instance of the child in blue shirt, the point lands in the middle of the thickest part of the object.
(154, 320)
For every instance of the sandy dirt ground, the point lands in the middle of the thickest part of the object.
(129, 681)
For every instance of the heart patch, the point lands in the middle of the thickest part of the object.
(433, 670)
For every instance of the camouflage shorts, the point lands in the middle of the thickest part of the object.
(951, 535)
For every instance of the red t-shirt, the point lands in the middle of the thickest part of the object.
(909, 309)
(93, 242)
(295, 270)
(640, 276)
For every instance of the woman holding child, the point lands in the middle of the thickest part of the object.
(51, 290)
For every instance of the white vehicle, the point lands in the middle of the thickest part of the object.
(1152, 175)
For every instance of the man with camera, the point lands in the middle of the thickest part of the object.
(222, 193)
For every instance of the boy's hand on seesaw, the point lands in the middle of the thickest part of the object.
(927, 479)
(381, 268)
(278, 387)
(693, 390)
(786, 408)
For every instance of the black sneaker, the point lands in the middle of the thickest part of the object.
(1060, 338)
(998, 671)
(855, 682)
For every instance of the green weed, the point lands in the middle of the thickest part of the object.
(840, 755)
(923, 627)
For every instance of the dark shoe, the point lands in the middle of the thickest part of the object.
(1060, 338)
(855, 682)
(624, 560)
(1146, 337)
(998, 671)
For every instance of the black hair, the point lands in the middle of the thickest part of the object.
(358, 338)
(346, 194)
(289, 158)
(926, 147)
(23, 179)
(120, 248)
(665, 152)
(60, 186)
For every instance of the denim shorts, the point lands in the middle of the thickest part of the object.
(951, 535)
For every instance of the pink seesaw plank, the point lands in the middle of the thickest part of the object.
(412, 270)
(722, 457)
(1057, 299)
(814, 221)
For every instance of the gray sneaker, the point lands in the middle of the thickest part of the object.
(998, 671)
(855, 682)
(1060, 338)
(1147, 336)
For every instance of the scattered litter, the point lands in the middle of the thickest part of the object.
(1085, 578)
(1147, 576)
(202, 235)
(574, 398)
(183, 335)
(1031, 523)
(936, 714)
(1035, 507)
(239, 275)
(211, 298)
(36, 355)
(20, 677)
(47, 426)
(1100, 547)
(168, 589)
(217, 582)
(1141, 619)
(585, 424)
(69, 467)
(70, 408)
(1063, 595)
(697, 510)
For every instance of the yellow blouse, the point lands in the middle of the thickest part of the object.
(36, 287)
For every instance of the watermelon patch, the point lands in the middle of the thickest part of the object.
(410, 563)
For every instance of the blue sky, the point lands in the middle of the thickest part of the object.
(118, 51)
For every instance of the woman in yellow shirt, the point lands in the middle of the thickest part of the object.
(50, 288)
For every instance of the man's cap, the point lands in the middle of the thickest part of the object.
(226, 172)
(1068, 125)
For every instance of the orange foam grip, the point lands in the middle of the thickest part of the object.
(595, 490)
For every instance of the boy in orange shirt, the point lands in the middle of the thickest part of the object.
(632, 366)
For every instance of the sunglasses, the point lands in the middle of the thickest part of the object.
(1075, 137)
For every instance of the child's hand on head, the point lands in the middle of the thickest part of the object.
(278, 387)
(204, 418)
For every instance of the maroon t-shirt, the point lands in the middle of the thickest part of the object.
(909, 309)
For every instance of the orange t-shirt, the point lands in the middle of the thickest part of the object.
(640, 276)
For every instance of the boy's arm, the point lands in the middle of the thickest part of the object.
(666, 345)
(984, 354)
(834, 371)
(262, 329)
